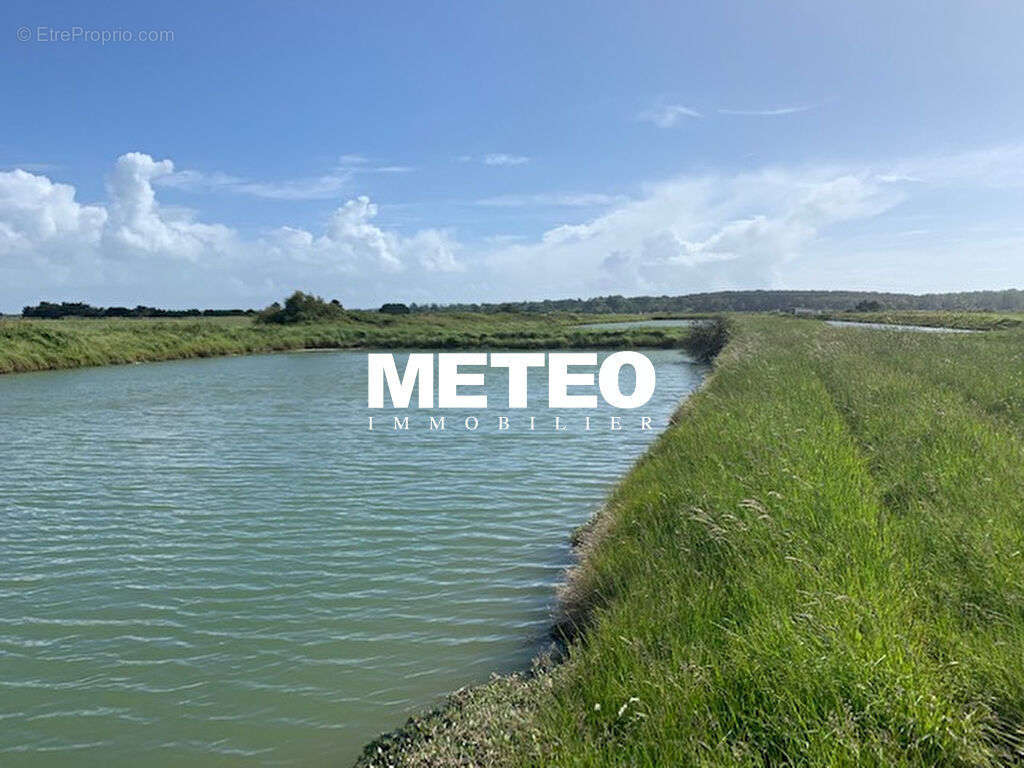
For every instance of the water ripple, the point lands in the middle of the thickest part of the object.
(214, 561)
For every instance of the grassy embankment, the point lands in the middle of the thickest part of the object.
(976, 321)
(821, 563)
(33, 345)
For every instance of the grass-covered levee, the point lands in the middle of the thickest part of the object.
(42, 344)
(820, 563)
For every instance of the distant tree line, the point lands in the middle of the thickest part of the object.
(48, 309)
(304, 307)
(755, 301)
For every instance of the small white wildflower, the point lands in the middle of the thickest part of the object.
(624, 707)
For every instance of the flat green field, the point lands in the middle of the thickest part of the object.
(33, 345)
(821, 563)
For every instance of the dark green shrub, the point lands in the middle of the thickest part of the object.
(707, 339)
(302, 308)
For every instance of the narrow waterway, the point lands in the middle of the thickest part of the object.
(214, 562)
(897, 327)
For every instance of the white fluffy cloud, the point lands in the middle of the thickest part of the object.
(38, 215)
(760, 221)
(353, 243)
(783, 227)
(136, 225)
(52, 246)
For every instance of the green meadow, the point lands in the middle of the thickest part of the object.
(820, 563)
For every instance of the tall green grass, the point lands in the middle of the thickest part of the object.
(32, 345)
(821, 563)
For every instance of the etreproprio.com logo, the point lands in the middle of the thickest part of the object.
(79, 34)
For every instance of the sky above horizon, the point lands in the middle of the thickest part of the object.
(439, 152)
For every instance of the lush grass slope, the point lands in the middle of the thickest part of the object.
(820, 564)
(32, 345)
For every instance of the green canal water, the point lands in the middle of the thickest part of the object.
(214, 562)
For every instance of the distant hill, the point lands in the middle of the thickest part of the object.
(755, 301)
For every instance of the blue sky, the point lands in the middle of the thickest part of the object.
(481, 151)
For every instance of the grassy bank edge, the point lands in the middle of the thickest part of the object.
(472, 709)
(40, 345)
(820, 565)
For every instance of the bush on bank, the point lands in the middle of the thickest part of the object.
(707, 339)
(302, 308)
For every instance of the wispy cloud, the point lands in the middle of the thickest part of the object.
(494, 159)
(32, 167)
(895, 178)
(767, 112)
(559, 200)
(363, 164)
(323, 187)
(311, 188)
(500, 240)
(502, 159)
(993, 167)
(667, 115)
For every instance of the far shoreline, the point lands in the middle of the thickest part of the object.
(33, 345)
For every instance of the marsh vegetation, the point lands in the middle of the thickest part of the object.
(33, 345)
(818, 564)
